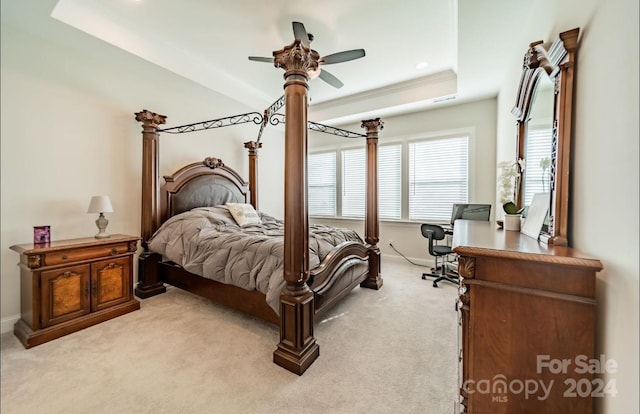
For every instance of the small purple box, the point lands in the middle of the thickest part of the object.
(41, 234)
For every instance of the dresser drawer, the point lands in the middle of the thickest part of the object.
(549, 277)
(87, 253)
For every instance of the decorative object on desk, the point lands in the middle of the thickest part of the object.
(512, 216)
(41, 234)
(100, 204)
(512, 222)
(509, 179)
(537, 213)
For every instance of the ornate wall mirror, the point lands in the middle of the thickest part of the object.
(544, 108)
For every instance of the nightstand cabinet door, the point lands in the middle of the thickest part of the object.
(65, 294)
(110, 282)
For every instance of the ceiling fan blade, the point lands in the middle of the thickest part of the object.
(345, 56)
(261, 59)
(330, 79)
(300, 33)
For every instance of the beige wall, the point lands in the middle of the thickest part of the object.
(605, 171)
(68, 132)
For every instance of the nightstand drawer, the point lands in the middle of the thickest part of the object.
(87, 253)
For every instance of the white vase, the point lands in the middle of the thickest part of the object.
(512, 222)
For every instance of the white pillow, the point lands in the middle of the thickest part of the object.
(244, 213)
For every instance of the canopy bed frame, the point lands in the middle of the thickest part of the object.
(308, 293)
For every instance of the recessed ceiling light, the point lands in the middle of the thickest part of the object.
(422, 65)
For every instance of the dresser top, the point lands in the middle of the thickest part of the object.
(55, 245)
(482, 238)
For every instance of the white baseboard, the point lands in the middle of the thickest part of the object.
(6, 324)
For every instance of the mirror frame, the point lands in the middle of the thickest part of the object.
(558, 63)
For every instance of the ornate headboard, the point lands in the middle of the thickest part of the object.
(201, 184)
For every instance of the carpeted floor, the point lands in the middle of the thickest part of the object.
(387, 351)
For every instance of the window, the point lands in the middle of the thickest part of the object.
(354, 182)
(390, 181)
(435, 172)
(438, 177)
(321, 178)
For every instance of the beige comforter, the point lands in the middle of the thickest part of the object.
(208, 242)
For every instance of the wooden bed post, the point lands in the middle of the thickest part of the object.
(253, 147)
(297, 348)
(372, 228)
(148, 281)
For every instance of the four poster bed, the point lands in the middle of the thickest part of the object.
(283, 271)
(200, 247)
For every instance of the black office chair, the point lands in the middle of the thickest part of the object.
(434, 232)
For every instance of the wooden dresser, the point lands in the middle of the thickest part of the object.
(528, 318)
(68, 285)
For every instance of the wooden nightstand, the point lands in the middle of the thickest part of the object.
(69, 285)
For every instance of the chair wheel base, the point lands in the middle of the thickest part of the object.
(453, 279)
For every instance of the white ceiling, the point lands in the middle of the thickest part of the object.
(208, 42)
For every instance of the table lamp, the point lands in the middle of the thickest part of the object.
(101, 204)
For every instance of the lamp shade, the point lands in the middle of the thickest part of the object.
(100, 204)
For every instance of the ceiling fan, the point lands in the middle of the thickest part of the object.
(301, 34)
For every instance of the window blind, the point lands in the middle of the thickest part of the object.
(438, 177)
(390, 181)
(321, 176)
(354, 182)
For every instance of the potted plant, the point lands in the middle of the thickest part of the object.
(509, 183)
(512, 216)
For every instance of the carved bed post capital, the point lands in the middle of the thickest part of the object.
(372, 126)
(297, 348)
(253, 147)
(150, 119)
(296, 58)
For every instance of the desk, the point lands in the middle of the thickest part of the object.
(519, 301)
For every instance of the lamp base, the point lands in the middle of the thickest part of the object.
(102, 223)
